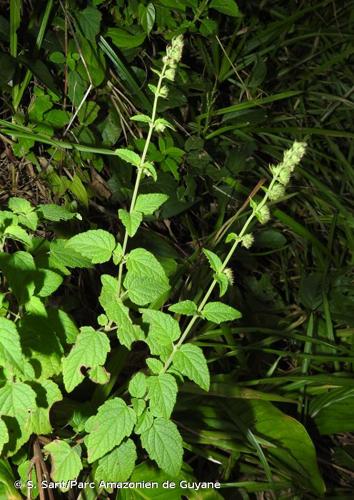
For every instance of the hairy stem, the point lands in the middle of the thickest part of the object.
(140, 171)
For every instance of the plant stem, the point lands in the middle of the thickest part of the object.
(214, 282)
(140, 171)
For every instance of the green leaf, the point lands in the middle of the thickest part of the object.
(90, 21)
(147, 17)
(187, 307)
(128, 156)
(217, 312)
(95, 244)
(137, 385)
(163, 328)
(162, 393)
(66, 461)
(141, 118)
(4, 435)
(88, 113)
(59, 257)
(124, 40)
(57, 118)
(117, 465)
(20, 205)
(11, 357)
(55, 213)
(191, 362)
(228, 7)
(117, 312)
(214, 260)
(90, 350)
(223, 282)
(50, 394)
(144, 422)
(18, 234)
(163, 443)
(99, 375)
(50, 281)
(18, 401)
(20, 270)
(154, 365)
(147, 204)
(78, 189)
(112, 423)
(131, 221)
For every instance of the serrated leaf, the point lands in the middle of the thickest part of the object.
(163, 443)
(144, 422)
(128, 156)
(19, 268)
(49, 283)
(95, 244)
(223, 282)
(117, 312)
(163, 328)
(99, 375)
(154, 365)
(18, 401)
(217, 312)
(143, 290)
(29, 220)
(19, 205)
(55, 213)
(90, 350)
(162, 393)
(112, 423)
(130, 220)
(137, 385)
(50, 393)
(191, 362)
(18, 233)
(90, 21)
(66, 461)
(147, 204)
(59, 257)
(214, 260)
(117, 465)
(11, 357)
(139, 405)
(187, 307)
(4, 435)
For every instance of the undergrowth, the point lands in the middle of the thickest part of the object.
(176, 239)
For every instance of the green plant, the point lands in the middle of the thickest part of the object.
(98, 440)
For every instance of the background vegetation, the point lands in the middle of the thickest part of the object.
(253, 77)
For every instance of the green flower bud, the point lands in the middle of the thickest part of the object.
(263, 214)
(247, 240)
(277, 192)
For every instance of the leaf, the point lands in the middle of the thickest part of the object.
(333, 411)
(214, 260)
(117, 465)
(131, 221)
(228, 7)
(187, 307)
(163, 443)
(112, 423)
(141, 118)
(18, 234)
(190, 361)
(163, 328)
(59, 257)
(50, 281)
(117, 312)
(147, 204)
(217, 312)
(66, 461)
(99, 375)
(90, 350)
(17, 401)
(57, 118)
(88, 113)
(137, 385)
(147, 17)
(11, 357)
(55, 213)
(95, 244)
(48, 393)
(19, 205)
(162, 393)
(19, 268)
(90, 21)
(4, 435)
(144, 422)
(124, 40)
(128, 156)
(155, 365)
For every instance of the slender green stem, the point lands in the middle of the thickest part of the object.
(140, 171)
(214, 282)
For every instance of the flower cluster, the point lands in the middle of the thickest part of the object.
(173, 56)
